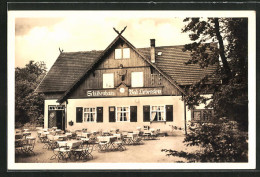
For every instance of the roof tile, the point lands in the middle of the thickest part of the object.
(69, 66)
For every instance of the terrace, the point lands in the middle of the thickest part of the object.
(148, 150)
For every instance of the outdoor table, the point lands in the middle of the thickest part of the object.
(70, 144)
(130, 138)
(26, 134)
(106, 142)
(105, 133)
(30, 138)
(60, 137)
(147, 135)
(118, 135)
(85, 140)
(68, 134)
(65, 147)
(86, 135)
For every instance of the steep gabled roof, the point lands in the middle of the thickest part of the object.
(71, 67)
(101, 56)
(172, 62)
(68, 67)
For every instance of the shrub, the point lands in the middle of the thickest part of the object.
(219, 142)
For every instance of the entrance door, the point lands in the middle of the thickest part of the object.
(60, 120)
(56, 117)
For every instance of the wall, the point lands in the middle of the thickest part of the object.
(178, 112)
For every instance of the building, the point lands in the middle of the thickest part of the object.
(121, 87)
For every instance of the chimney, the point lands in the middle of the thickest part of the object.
(152, 50)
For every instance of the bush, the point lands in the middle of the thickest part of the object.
(219, 142)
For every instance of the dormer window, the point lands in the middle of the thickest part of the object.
(123, 53)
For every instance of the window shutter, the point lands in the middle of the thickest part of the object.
(133, 113)
(79, 111)
(112, 114)
(99, 114)
(146, 113)
(169, 113)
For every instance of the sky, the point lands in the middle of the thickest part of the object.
(39, 37)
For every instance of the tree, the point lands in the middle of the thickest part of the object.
(221, 42)
(220, 141)
(29, 104)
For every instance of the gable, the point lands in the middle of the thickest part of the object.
(101, 58)
(110, 61)
(119, 68)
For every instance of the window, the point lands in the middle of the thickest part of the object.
(118, 53)
(137, 79)
(56, 107)
(122, 53)
(157, 113)
(202, 115)
(122, 114)
(126, 53)
(89, 114)
(108, 80)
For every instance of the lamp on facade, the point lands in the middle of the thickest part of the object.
(71, 123)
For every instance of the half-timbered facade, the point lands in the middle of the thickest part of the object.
(121, 87)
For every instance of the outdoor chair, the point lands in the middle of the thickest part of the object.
(18, 136)
(119, 145)
(93, 140)
(18, 145)
(137, 141)
(146, 135)
(126, 140)
(52, 144)
(73, 136)
(84, 152)
(103, 146)
(153, 134)
(63, 152)
(39, 135)
(28, 146)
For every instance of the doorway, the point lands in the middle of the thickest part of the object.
(56, 117)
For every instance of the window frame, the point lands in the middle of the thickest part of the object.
(122, 56)
(133, 79)
(164, 113)
(94, 118)
(56, 107)
(113, 76)
(118, 119)
(202, 114)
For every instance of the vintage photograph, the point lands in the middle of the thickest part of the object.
(139, 89)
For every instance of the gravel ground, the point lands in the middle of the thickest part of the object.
(149, 152)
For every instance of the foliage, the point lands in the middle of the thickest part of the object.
(219, 142)
(29, 104)
(225, 38)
